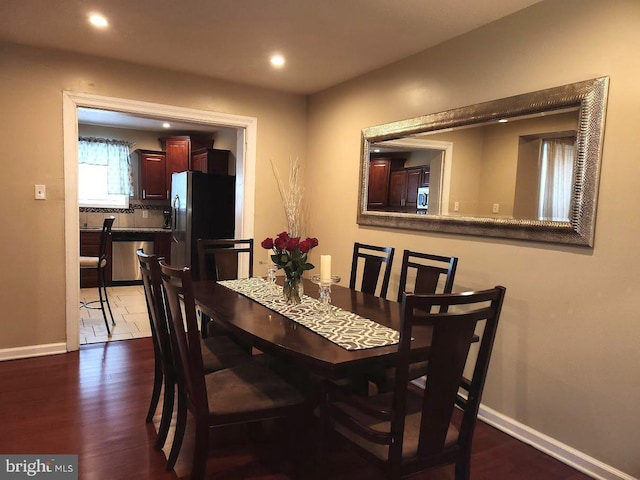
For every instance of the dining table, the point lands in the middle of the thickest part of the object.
(259, 326)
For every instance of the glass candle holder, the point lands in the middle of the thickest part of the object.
(324, 288)
(271, 275)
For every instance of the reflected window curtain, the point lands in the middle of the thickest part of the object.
(115, 155)
(556, 178)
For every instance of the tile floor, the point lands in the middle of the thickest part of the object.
(129, 311)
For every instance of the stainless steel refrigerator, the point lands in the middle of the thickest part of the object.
(202, 206)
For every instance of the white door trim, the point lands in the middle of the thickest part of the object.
(245, 177)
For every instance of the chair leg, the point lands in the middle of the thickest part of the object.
(463, 467)
(181, 425)
(106, 297)
(201, 450)
(104, 313)
(157, 387)
(167, 415)
(324, 428)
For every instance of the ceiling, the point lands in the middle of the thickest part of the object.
(325, 42)
(108, 118)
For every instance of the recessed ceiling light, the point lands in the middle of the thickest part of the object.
(98, 21)
(166, 125)
(277, 61)
(503, 120)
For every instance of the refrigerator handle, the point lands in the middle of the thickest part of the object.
(174, 205)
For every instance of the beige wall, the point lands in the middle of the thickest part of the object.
(500, 148)
(32, 282)
(567, 349)
(566, 357)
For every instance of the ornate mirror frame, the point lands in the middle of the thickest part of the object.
(589, 97)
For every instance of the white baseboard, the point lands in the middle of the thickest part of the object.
(552, 447)
(32, 351)
(558, 450)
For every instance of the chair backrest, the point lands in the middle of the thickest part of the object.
(454, 318)
(428, 273)
(184, 334)
(218, 259)
(371, 258)
(104, 237)
(152, 282)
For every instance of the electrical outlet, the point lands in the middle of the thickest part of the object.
(41, 192)
(496, 207)
(145, 213)
(456, 206)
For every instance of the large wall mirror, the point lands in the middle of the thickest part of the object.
(524, 167)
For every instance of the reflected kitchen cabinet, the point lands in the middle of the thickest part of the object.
(153, 175)
(424, 182)
(403, 187)
(379, 171)
(380, 178)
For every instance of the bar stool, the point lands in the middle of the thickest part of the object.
(99, 263)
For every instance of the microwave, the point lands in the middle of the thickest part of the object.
(423, 198)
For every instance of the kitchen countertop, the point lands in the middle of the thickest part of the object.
(128, 229)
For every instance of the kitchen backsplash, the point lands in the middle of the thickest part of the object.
(134, 216)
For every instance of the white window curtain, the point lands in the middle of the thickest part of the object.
(115, 155)
(556, 178)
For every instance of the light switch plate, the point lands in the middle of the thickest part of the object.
(41, 192)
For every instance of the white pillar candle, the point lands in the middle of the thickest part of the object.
(325, 268)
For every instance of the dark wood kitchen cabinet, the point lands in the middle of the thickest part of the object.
(403, 187)
(210, 160)
(425, 177)
(90, 247)
(178, 155)
(379, 170)
(397, 188)
(153, 175)
(414, 179)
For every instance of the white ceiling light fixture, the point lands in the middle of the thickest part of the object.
(98, 20)
(166, 125)
(277, 60)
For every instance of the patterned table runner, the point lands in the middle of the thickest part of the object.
(346, 329)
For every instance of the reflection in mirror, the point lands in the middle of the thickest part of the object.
(521, 167)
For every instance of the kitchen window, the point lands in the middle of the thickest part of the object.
(105, 176)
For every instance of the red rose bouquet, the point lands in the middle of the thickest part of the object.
(290, 255)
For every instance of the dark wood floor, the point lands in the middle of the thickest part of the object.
(93, 403)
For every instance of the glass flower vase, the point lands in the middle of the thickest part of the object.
(293, 289)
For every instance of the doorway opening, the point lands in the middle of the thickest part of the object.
(246, 128)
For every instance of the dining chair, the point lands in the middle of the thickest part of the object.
(246, 393)
(99, 263)
(218, 259)
(426, 273)
(422, 273)
(410, 429)
(368, 259)
(217, 353)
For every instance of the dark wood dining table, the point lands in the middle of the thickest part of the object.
(279, 336)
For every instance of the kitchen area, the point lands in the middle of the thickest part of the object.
(152, 213)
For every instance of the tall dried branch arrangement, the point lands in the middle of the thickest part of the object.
(292, 195)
